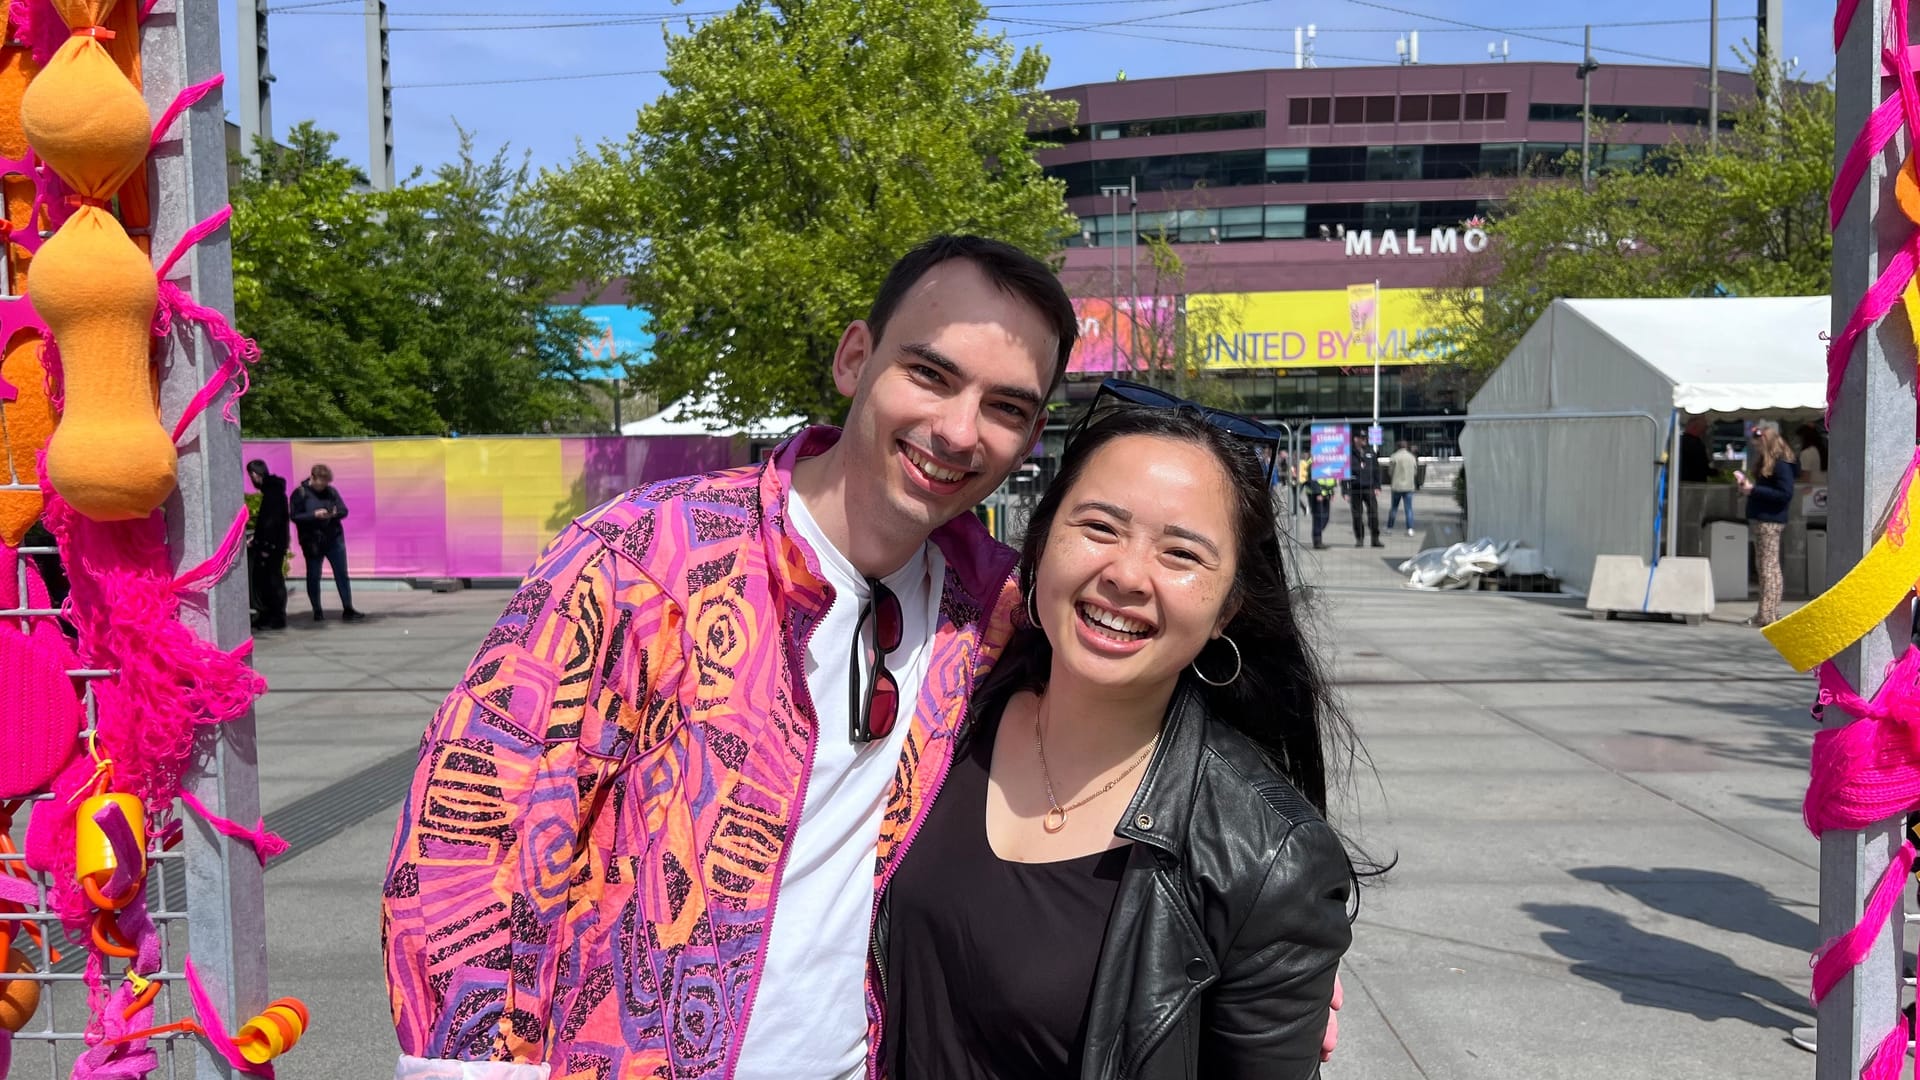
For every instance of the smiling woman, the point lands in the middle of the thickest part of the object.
(1160, 634)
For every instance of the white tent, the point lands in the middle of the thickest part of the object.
(691, 416)
(1578, 485)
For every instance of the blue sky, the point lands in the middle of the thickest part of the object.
(319, 57)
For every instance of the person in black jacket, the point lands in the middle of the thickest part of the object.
(1769, 495)
(318, 511)
(267, 549)
(1363, 484)
(1127, 872)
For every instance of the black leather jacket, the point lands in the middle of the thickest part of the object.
(1232, 915)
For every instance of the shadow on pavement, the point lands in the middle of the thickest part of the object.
(1660, 972)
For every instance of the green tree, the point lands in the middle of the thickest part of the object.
(417, 311)
(1746, 218)
(800, 148)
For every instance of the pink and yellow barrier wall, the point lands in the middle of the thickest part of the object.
(477, 507)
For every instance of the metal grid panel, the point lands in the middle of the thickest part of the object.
(56, 1031)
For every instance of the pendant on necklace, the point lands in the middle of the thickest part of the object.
(1055, 820)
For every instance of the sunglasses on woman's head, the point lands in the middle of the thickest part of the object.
(1265, 438)
(873, 712)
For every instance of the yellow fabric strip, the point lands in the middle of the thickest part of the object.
(1859, 601)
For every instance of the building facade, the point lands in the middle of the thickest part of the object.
(1281, 189)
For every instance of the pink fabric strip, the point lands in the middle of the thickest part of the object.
(1889, 1055)
(1881, 126)
(265, 844)
(1877, 301)
(17, 891)
(193, 236)
(182, 101)
(214, 1029)
(1894, 58)
(129, 861)
(1841, 955)
(1843, 18)
(209, 573)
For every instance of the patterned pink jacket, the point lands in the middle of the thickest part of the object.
(588, 861)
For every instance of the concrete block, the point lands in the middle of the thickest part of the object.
(1680, 586)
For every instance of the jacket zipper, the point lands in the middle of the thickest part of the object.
(803, 700)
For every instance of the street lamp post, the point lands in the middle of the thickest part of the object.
(1586, 70)
(1113, 193)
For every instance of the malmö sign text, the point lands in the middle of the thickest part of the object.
(1438, 242)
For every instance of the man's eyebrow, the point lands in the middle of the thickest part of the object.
(930, 355)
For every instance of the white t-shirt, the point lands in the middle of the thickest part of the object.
(809, 1019)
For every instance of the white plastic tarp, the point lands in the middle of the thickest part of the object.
(1579, 487)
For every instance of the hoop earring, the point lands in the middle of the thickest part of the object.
(1033, 617)
(1228, 681)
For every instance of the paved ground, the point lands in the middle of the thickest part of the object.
(1600, 866)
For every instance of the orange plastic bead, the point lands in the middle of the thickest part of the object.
(273, 1032)
(93, 856)
(19, 998)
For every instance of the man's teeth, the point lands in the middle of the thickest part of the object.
(1113, 620)
(933, 468)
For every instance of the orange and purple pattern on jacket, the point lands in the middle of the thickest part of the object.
(587, 860)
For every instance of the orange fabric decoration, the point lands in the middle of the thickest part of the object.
(26, 423)
(110, 458)
(19, 998)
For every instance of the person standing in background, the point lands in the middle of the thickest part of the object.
(1363, 486)
(267, 549)
(1403, 477)
(318, 511)
(1769, 495)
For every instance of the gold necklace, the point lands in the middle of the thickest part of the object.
(1056, 816)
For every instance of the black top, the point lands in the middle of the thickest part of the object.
(1695, 464)
(1772, 496)
(990, 964)
(316, 533)
(270, 523)
(1363, 468)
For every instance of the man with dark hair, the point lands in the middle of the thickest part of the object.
(666, 731)
(267, 549)
(318, 511)
(1363, 486)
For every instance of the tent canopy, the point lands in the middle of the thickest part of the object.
(699, 416)
(1727, 356)
(1581, 485)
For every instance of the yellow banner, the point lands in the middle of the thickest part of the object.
(1320, 328)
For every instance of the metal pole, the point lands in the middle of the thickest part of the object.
(616, 406)
(1713, 72)
(1379, 324)
(1133, 273)
(256, 81)
(1872, 441)
(379, 99)
(226, 902)
(1673, 489)
(1587, 68)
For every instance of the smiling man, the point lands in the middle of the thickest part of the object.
(649, 827)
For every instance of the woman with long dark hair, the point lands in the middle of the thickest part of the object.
(1769, 495)
(1127, 872)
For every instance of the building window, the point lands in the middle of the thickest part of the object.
(1380, 109)
(1393, 162)
(1444, 108)
(1304, 111)
(1486, 106)
(1286, 222)
(1242, 223)
(1287, 166)
(1681, 115)
(1179, 125)
(1349, 110)
(1413, 109)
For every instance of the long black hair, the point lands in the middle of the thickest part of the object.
(1281, 701)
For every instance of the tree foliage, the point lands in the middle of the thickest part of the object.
(1744, 218)
(418, 311)
(800, 148)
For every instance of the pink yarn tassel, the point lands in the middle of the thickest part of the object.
(199, 232)
(184, 100)
(265, 845)
(208, 574)
(215, 1029)
(1882, 124)
(1889, 1055)
(1841, 955)
(1877, 301)
(1868, 770)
